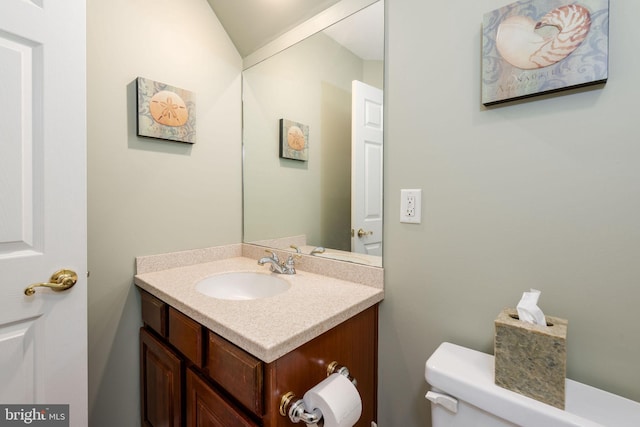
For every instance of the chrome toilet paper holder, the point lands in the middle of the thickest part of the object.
(296, 410)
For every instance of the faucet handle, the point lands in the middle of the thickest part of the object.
(293, 257)
(297, 249)
(290, 264)
(274, 256)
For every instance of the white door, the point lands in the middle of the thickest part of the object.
(366, 169)
(43, 337)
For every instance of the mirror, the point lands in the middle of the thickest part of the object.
(307, 184)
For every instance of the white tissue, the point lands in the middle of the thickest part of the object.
(338, 400)
(528, 310)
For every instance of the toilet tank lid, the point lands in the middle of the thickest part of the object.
(468, 376)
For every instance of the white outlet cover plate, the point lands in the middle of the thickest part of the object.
(405, 195)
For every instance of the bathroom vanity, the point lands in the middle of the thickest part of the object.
(211, 362)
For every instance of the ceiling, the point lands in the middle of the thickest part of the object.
(253, 23)
(362, 33)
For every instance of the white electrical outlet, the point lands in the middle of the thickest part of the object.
(410, 206)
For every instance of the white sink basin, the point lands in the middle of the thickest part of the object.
(242, 286)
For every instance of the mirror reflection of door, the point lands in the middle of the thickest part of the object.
(366, 169)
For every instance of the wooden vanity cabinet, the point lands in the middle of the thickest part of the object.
(191, 376)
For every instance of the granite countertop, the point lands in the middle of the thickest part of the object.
(268, 327)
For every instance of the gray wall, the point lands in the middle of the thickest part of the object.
(542, 193)
(149, 196)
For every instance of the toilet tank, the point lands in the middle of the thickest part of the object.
(464, 394)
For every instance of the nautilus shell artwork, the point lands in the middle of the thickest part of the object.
(165, 112)
(520, 43)
(539, 46)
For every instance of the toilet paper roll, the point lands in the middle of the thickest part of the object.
(338, 400)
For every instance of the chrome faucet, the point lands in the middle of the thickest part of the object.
(276, 266)
(317, 250)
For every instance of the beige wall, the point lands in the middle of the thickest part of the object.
(542, 193)
(373, 73)
(148, 196)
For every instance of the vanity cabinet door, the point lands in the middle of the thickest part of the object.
(160, 383)
(207, 408)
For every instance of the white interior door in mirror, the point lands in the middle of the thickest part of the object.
(366, 179)
(43, 347)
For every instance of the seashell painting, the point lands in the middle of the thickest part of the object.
(165, 112)
(533, 47)
(294, 140)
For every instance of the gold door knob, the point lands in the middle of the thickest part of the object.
(362, 233)
(61, 280)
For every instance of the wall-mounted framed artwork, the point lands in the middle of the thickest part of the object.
(534, 47)
(165, 112)
(294, 140)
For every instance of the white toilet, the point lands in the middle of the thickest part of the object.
(464, 394)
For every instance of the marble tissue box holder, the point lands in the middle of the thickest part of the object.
(531, 359)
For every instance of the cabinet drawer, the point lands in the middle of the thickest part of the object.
(236, 371)
(154, 313)
(185, 334)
